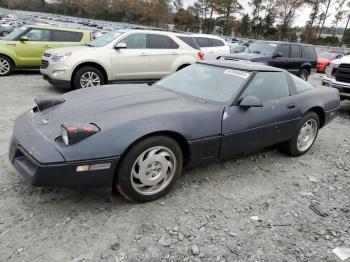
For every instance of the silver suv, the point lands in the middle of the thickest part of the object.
(123, 55)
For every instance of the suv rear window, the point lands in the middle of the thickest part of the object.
(66, 36)
(190, 41)
(161, 42)
(309, 52)
(203, 41)
(216, 42)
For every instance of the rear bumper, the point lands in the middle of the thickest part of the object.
(343, 88)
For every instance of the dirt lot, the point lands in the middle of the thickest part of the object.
(206, 217)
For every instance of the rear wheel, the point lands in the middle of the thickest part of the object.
(306, 135)
(304, 74)
(4, 33)
(88, 77)
(6, 66)
(149, 169)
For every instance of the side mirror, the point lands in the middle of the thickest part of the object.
(23, 38)
(250, 101)
(120, 46)
(278, 54)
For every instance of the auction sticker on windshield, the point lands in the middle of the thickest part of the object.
(237, 73)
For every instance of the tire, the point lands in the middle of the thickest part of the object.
(85, 73)
(295, 148)
(304, 74)
(4, 33)
(6, 66)
(182, 67)
(148, 159)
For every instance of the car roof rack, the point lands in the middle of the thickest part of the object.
(157, 29)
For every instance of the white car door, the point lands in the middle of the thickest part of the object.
(164, 53)
(132, 62)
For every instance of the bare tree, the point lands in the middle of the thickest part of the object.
(286, 14)
(339, 15)
(327, 4)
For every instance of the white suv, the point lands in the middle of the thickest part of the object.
(212, 46)
(123, 55)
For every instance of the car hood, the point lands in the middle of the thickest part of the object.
(73, 49)
(344, 59)
(248, 56)
(128, 110)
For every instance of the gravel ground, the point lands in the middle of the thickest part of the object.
(252, 208)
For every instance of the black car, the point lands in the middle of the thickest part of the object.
(138, 138)
(298, 59)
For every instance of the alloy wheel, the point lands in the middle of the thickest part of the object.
(307, 135)
(90, 79)
(153, 170)
(5, 66)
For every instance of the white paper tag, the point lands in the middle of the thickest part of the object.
(237, 73)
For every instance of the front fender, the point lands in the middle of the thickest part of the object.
(9, 53)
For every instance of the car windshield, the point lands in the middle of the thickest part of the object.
(264, 48)
(105, 39)
(329, 56)
(206, 82)
(15, 34)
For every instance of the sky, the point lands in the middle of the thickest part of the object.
(300, 19)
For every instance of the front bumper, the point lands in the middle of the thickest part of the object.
(42, 165)
(343, 88)
(58, 83)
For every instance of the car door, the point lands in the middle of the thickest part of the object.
(132, 62)
(30, 49)
(294, 59)
(164, 53)
(275, 121)
(280, 57)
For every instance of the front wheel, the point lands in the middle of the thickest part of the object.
(88, 77)
(306, 135)
(149, 169)
(303, 74)
(6, 66)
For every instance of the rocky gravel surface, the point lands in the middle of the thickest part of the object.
(264, 206)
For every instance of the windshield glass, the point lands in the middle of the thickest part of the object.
(15, 34)
(264, 48)
(206, 82)
(105, 39)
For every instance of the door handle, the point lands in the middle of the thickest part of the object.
(143, 54)
(11, 44)
(47, 46)
(174, 53)
(290, 106)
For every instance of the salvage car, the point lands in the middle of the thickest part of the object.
(137, 138)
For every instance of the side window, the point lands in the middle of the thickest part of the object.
(37, 34)
(65, 36)
(268, 86)
(295, 51)
(190, 41)
(203, 41)
(216, 42)
(284, 50)
(135, 41)
(161, 42)
(300, 84)
(309, 52)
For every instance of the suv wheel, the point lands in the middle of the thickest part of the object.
(6, 66)
(88, 77)
(303, 74)
(4, 33)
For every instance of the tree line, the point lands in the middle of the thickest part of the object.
(266, 19)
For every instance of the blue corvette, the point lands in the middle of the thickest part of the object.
(138, 138)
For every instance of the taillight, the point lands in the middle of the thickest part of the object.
(200, 55)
